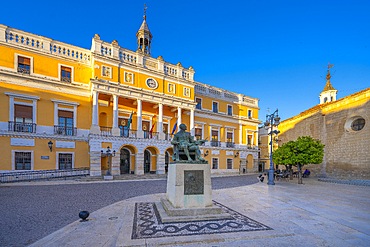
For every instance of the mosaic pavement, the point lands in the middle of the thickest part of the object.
(147, 224)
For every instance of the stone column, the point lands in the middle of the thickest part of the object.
(240, 134)
(139, 164)
(178, 116)
(160, 164)
(115, 129)
(139, 124)
(160, 122)
(95, 126)
(192, 129)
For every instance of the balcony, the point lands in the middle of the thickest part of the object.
(105, 131)
(167, 137)
(151, 135)
(230, 144)
(22, 127)
(65, 130)
(215, 143)
(124, 132)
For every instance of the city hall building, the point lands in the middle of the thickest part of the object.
(63, 106)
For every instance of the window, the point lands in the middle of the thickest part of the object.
(65, 123)
(358, 124)
(229, 163)
(129, 77)
(23, 121)
(65, 161)
(24, 65)
(249, 114)
(106, 71)
(215, 107)
(354, 124)
(214, 135)
(229, 140)
(199, 103)
(198, 133)
(186, 91)
(65, 74)
(171, 88)
(214, 163)
(22, 160)
(229, 110)
(214, 139)
(249, 139)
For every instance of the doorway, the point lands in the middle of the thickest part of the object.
(125, 161)
(147, 158)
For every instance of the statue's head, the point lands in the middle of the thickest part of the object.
(182, 127)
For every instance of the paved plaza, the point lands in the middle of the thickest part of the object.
(286, 214)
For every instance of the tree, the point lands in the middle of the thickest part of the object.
(305, 150)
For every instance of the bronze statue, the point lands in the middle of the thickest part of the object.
(184, 142)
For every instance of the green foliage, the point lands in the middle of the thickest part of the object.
(305, 150)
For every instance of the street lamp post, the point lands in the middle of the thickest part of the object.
(272, 120)
(109, 154)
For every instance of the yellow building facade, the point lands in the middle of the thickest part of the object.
(63, 106)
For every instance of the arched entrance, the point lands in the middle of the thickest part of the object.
(147, 161)
(125, 161)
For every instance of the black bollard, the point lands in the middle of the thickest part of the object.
(83, 215)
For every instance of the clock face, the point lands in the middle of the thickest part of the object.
(151, 83)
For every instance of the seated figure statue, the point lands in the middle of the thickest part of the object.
(184, 141)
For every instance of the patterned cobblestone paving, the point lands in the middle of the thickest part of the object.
(147, 224)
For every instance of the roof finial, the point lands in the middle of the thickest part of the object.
(145, 7)
(328, 76)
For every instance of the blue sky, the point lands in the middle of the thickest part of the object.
(276, 51)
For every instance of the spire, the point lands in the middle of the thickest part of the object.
(328, 85)
(329, 93)
(144, 36)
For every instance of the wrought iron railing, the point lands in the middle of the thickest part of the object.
(151, 135)
(65, 79)
(23, 70)
(230, 144)
(124, 132)
(167, 136)
(21, 127)
(19, 176)
(215, 143)
(65, 130)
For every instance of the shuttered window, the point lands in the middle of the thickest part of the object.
(22, 112)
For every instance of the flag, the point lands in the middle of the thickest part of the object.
(152, 128)
(129, 121)
(174, 128)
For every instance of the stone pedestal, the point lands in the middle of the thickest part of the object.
(189, 195)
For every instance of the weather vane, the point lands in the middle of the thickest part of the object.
(328, 76)
(145, 7)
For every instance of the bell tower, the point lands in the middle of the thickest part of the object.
(144, 36)
(329, 93)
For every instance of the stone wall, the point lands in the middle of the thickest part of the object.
(347, 152)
